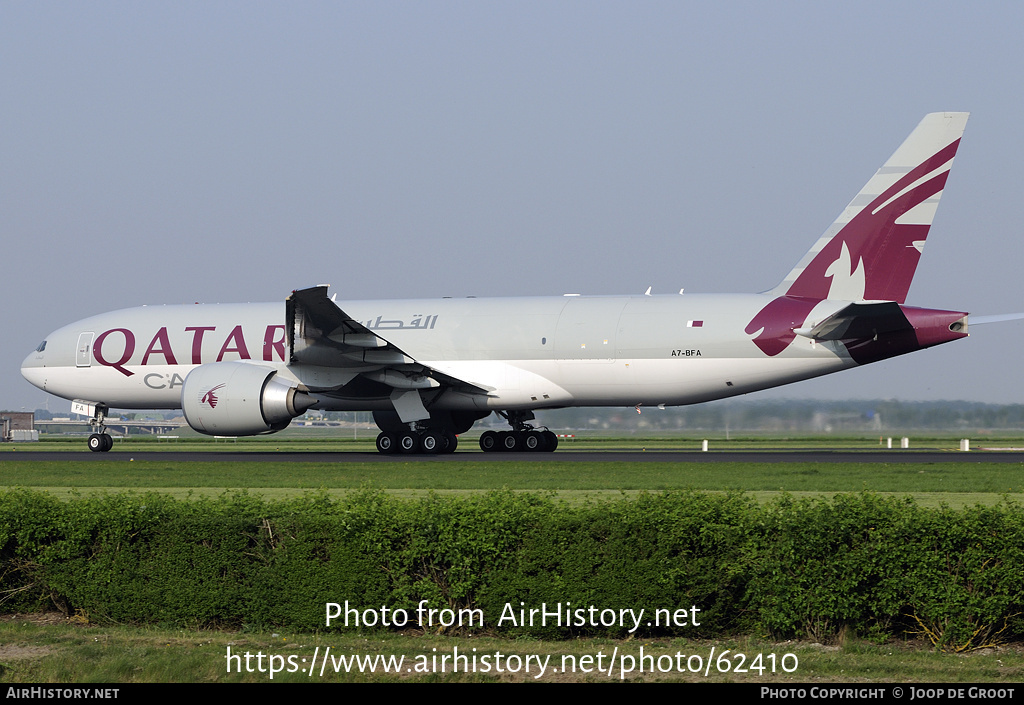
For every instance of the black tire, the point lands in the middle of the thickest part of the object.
(511, 441)
(489, 441)
(451, 442)
(431, 443)
(108, 442)
(534, 442)
(387, 444)
(96, 444)
(552, 441)
(408, 443)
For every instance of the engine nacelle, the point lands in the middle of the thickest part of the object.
(240, 399)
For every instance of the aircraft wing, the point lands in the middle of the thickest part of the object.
(322, 334)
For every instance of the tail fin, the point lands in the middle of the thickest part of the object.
(871, 251)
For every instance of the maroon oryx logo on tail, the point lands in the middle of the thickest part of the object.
(210, 398)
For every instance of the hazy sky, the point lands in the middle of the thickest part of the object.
(168, 152)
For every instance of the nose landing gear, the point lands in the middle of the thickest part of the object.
(99, 440)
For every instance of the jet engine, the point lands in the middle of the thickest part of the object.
(240, 399)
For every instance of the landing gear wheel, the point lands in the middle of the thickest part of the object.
(451, 442)
(489, 441)
(431, 443)
(552, 441)
(534, 441)
(386, 443)
(100, 442)
(408, 442)
(511, 441)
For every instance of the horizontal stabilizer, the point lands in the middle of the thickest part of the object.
(859, 321)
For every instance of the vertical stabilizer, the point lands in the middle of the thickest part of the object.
(872, 249)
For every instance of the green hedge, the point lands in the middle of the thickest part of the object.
(878, 566)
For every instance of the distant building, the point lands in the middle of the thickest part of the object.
(18, 426)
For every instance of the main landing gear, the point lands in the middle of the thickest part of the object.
(429, 441)
(437, 435)
(99, 440)
(432, 436)
(522, 437)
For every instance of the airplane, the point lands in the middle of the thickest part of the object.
(429, 369)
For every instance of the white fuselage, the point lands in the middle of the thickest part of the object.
(528, 353)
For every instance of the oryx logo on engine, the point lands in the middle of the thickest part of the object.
(210, 399)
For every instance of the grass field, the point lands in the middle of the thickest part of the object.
(955, 483)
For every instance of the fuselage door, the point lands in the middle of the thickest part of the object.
(83, 356)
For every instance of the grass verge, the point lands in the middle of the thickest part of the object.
(958, 484)
(52, 650)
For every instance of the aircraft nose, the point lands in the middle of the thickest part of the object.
(34, 370)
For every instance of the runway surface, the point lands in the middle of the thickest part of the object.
(567, 456)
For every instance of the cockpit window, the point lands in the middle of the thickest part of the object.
(42, 346)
